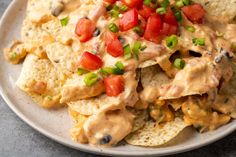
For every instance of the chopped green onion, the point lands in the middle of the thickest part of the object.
(113, 27)
(123, 8)
(172, 41)
(114, 13)
(90, 79)
(179, 4)
(81, 71)
(198, 41)
(120, 65)
(119, 69)
(136, 48)
(178, 15)
(190, 29)
(186, 2)
(138, 30)
(106, 71)
(127, 52)
(147, 2)
(64, 21)
(179, 63)
(165, 3)
(161, 11)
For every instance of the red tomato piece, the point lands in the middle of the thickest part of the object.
(153, 28)
(114, 85)
(90, 61)
(195, 13)
(110, 1)
(146, 11)
(168, 29)
(115, 48)
(109, 37)
(128, 20)
(170, 18)
(84, 29)
(132, 3)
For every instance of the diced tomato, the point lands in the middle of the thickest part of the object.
(132, 3)
(195, 12)
(114, 85)
(146, 11)
(84, 29)
(170, 18)
(110, 1)
(153, 28)
(114, 46)
(128, 20)
(90, 61)
(109, 37)
(168, 29)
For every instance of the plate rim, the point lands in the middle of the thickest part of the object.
(97, 150)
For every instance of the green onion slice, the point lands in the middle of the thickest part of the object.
(106, 71)
(123, 8)
(81, 71)
(119, 68)
(172, 41)
(113, 27)
(90, 79)
(64, 21)
(127, 52)
(165, 3)
(136, 49)
(191, 29)
(161, 10)
(186, 2)
(198, 41)
(179, 4)
(179, 63)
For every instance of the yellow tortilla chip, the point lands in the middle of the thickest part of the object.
(62, 57)
(75, 89)
(41, 70)
(91, 106)
(63, 34)
(141, 117)
(39, 11)
(220, 9)
(152, 135)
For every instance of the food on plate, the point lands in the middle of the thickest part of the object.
(140, 71)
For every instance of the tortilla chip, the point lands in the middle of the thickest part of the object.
(62, 57)
(220, 9)
(39, 11)
(153, 76)
(41, 70)
(152, 135)
(91, 106)
(63, 34)
(141, 116)
(75, 89)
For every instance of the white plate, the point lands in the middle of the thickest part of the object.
(56, 124)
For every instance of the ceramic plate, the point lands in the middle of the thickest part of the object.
(56, 124)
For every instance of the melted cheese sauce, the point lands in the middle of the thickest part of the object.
(201, 75)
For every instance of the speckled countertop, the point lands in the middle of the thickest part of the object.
(17, 139)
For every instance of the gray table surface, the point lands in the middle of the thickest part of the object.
(17, 139)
